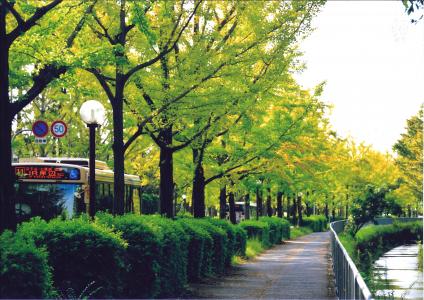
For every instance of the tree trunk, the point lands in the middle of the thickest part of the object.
(223, 202)
(7, 206)
(232, 206)
(280, 204)
(288, 207)
(326, 210)
(258, 204)
(268, 203)
(294, 210)
(166, 185)
(198, 194)
(118, 155)
(299, 210)
(347, 206)
(247, 206)
(308, 209)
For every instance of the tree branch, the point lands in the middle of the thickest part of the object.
(105, 30)
(27, 25)
(165, 51)
(101, 79)
(17, 16)
(133, 137)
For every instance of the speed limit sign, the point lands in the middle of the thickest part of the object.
(58, 129)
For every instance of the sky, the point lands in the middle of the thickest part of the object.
(372, 59)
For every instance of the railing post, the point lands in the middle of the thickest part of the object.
(349, 282)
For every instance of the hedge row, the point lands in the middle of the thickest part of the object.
(316, 223)
(269, 230)
(375, 239)
(126, 256)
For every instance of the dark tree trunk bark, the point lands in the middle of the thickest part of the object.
(247, 206)
(198, 194)
(223, 202)
(294, 210)
(258, 204)
(347, 206)
(118, 155)
(326, 210)
(232, 206)
(280, 204)
(308, 209)
(7, 206)
(288, 206)
(299, 210)
(166, 185)
(268, 203)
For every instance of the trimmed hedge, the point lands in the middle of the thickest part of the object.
(241, 241)
(24, 270)
(279, 229)
(200, 244)
(219, 247)
(230, 230)
(375, 239)
(79, 253)
(126, 256)
(143, 254)
(173, 256)
(316, 223)
(257, 230)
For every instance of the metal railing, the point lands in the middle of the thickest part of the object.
(349, 282)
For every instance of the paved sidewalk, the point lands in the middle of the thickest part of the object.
(297, 269)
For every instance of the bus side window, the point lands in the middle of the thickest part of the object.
(128, 199)
(136, 200)
(103, 197)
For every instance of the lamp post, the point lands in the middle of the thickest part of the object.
(92, 113)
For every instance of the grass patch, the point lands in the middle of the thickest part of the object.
(349, 244)
(253, 248)
(237, 260)
(296, 232)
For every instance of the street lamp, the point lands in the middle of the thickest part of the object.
(92, 113)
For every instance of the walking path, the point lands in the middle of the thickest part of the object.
(297, 269)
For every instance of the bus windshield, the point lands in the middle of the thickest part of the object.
(48, 200)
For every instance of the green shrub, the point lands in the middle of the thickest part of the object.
(79, 253)
(24, 269)
(372, 241)
(241, 240)
(383, 236)
(173, 260)
(279, 229)
(219, 247)
(230, 230)
(143, 254)
(257, 230)
(199, 243)
(316, 223)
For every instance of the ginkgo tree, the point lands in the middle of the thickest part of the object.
(35, 49)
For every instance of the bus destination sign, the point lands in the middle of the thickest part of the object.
(47, 173)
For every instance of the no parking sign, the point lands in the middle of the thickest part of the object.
(40, 128)
(58, 129)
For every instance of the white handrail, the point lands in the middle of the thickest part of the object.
(356, 275)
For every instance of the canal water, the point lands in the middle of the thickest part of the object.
(397, 276)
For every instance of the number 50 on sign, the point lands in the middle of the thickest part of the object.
(58, 129)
